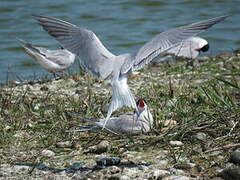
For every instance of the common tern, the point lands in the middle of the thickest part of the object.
(51, 60)
(103, 64)
(189, 48)
(139, 122)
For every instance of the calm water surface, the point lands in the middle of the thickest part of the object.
(123, 26)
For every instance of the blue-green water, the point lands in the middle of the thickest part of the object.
(123, 26)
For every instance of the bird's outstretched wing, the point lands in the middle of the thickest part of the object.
(166, 40)
(82, 42)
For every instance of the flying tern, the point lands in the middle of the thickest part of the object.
(51, 60)
(139, 122)
(103, 64)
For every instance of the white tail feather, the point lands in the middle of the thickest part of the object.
(121, 96)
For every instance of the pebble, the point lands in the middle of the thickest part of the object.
(158, 174)
(47, 153)
(184, 165)
(143, 168)
(177, 171)
(111, 170)
(22, 134)
(230, 174)
(170, 123)
(102, 147)
(114, 169)
(201, 136)
(44, 88)
(7, 128)
(37, 107)
(125, 177)
(171, 103)
(173, 177)
(176, 143)
(235, 157)
(64, 144)
(131, 172)
(163, 164)
(108, 161)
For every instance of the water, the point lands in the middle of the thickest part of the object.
(122, 25)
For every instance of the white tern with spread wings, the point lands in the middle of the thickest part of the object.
(103, 64)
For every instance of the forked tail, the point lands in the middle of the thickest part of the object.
(30, 49)
(121, 96)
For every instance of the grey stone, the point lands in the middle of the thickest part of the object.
(201, 136)
(230, 174)
(158, 174)
(235, 157)
(64, 144)
(47, 153)
(176, 143)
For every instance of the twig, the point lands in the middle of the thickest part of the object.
(234, 125)
(223, 147)
(201, 127)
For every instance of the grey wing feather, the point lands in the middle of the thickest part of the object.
(166, 40)
(82, 42)
(184, 49)
(57, 56)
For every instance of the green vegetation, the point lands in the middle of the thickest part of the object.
(203, 99)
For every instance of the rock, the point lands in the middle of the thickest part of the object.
(184, 165)
(22, 134)
(114, 169)
(125, 177)
(79, 91)
(114, 178)
(177, 171)
(21, 168)
(171, 103)
(143, 168)
(201, 136)
(169, 123)
(37, 107)
(158, 174)
(230, 174)
(176, 143)
(131, 172)
(108, 161)
(235, 157)
(110, 170)
(7, 128)
(44, 88)
(173, 177)
(47, 153)
(76, 166)
(64, 144)
(163, 164)
(194, 100)
(102, 147)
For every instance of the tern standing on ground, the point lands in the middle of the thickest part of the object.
(51, 60)
(102, 63)
(139, 122)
